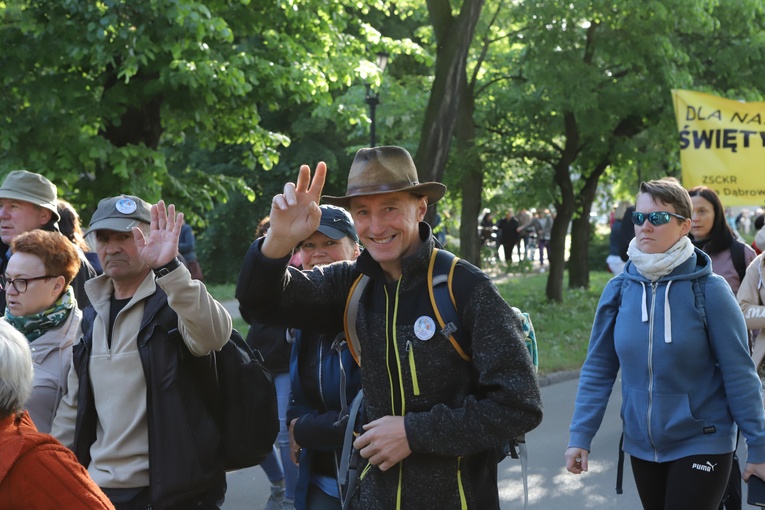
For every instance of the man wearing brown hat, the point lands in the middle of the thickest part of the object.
(28, 202)
(435, 418)
(134, 413)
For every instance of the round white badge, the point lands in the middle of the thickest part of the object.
(425, 328)
(126, 206)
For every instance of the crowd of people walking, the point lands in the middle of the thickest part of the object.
(101, 351)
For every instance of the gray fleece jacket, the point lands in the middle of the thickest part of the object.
(456, 412)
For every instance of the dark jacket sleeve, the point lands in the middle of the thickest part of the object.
(272, 292)
(272, 343)
(626, 233)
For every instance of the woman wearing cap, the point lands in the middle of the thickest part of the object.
(40, 303)
(674, 329)
(324, 376)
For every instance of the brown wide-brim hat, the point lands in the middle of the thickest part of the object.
(384, 170)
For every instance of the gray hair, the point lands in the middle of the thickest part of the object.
(16, 370)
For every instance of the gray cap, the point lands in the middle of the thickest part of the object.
(32, 188)
(120, 213)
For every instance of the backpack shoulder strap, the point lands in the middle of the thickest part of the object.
(737, 256)
(351, 314)
(700, 299)
(440, 276)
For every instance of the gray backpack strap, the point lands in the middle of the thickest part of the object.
(348, 473)
(351, 314)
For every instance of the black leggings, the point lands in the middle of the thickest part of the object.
(694, 483)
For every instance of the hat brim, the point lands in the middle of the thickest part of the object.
(15, 195)
(115, 224)
(330, 232)
(433, 190)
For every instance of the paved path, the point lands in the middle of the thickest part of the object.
(551, 487)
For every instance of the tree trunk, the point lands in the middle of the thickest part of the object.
(578, 264)
(454, 36)
(565, 205)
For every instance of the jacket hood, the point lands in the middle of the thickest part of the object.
(696, 266)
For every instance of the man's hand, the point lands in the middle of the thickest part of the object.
(384, 443)
(162, 244)
(295, 214)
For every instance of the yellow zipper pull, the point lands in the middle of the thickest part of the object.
(412, 367)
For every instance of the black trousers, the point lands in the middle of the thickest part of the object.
(693, 483)
(211, 499)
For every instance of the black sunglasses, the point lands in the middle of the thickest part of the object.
(656, 218)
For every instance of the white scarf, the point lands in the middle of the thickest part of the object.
(655, 265)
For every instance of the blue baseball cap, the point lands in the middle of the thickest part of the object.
(336, 223)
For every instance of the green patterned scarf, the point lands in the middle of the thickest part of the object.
(35, 325)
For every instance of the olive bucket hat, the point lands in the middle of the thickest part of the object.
(385, 170)
(30, 187)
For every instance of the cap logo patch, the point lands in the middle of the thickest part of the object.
(126, 206)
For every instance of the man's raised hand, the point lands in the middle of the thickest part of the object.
(161, 246)
(295, 214)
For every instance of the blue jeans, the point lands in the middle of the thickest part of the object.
(280, 466)
(283, 390)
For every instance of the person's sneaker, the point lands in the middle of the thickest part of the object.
(288, 504)
(276, 500)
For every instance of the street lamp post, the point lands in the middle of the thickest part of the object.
(373, 98)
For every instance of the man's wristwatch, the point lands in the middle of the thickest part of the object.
(167, 268)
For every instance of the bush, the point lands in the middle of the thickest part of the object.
(598, 252)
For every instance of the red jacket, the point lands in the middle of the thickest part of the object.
(37, 472)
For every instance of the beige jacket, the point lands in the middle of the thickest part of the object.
(751, 296)
(51, 355)
(120, 455)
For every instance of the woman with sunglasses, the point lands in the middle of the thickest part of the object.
(40, 303)
(688, 383)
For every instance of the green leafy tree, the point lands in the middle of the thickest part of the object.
(96, 95)
(594, 90)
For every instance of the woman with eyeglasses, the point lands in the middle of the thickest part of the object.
(40, 303)
(674, 329)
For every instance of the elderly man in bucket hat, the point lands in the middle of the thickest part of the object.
(434, 418)
(134, 413)
(28, 202)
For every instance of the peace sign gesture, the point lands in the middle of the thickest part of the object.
(295, 214)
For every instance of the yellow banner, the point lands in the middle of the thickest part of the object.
(722, 145)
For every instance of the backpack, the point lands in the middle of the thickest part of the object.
(737, 255)
(244, 402)
(440, 276)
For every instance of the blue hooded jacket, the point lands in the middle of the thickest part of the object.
(685, 386)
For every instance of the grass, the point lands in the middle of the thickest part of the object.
(222, 292)
(562, 329)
